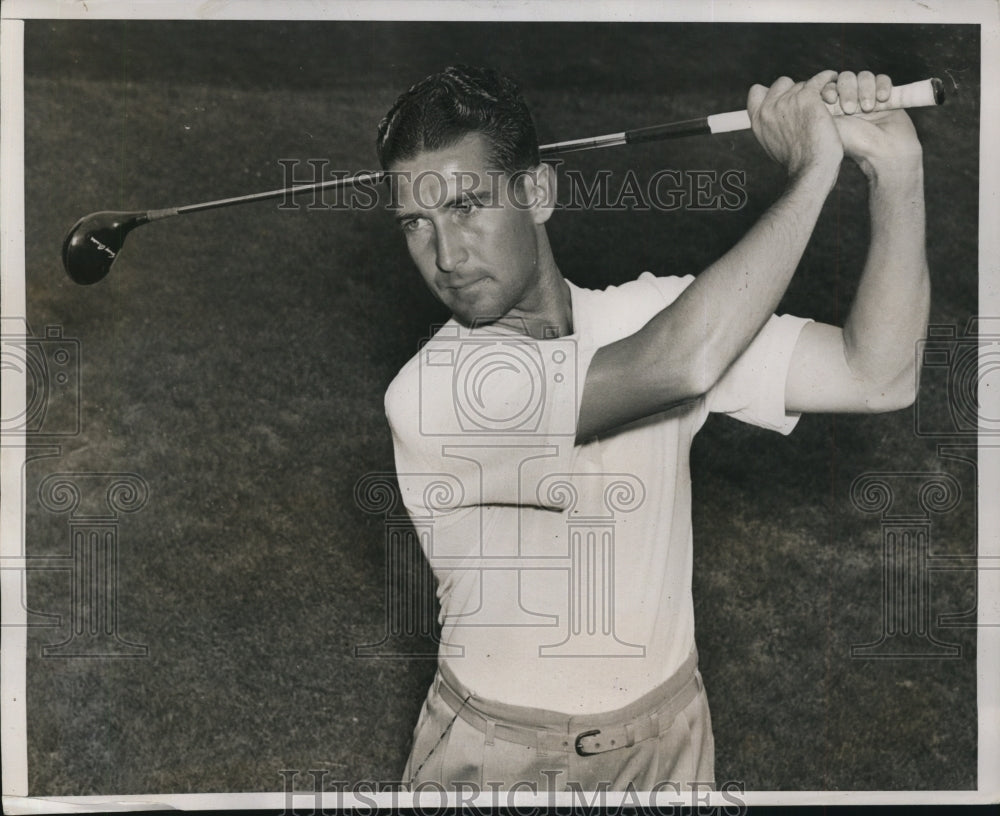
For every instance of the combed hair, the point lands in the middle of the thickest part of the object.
(442, 109)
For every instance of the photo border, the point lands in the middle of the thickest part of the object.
(16, 797)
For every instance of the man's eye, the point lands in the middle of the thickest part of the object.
(410, 224)
(466, 205)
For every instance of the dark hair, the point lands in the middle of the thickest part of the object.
(445, 107)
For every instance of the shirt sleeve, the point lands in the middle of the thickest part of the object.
(481, 419)
(753, 388)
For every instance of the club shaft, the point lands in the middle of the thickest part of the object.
(341, 181)
(917, 94)
(924, 93)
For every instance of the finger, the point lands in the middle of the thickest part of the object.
(821, 79)
(883, 88)
(755, 96)
(866, 90)
(829, 93)
(847, 90)
(780, 86)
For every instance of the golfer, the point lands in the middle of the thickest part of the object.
(542, 435)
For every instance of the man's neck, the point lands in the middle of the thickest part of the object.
(548, 312)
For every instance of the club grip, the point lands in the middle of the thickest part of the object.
(920, 94)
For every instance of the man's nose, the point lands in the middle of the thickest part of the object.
(451, 252)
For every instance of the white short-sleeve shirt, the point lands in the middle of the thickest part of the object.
(564, 570)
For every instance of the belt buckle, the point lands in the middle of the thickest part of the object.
(583, 735)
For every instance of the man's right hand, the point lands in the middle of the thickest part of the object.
(797, 131)
(795, 128)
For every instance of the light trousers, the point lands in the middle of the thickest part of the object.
(662, 741)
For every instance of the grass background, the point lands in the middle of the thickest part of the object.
(236, 361)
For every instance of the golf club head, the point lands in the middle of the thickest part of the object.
(91, 246)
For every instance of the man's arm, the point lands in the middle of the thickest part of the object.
(684, 350)
(870, 364)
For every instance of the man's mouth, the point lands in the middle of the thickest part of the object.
(460, 286)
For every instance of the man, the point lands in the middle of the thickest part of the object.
(542, 435)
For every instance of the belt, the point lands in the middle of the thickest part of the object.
(583, 741)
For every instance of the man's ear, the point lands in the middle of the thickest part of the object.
(540, 191)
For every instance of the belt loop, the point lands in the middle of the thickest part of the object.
(630, 735)
(491, 728)
(542, 749)
(655, 720)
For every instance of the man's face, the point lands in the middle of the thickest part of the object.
(470, 231)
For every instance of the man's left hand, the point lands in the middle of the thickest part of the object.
(879, 141)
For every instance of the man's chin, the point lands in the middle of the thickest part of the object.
(475, 312)
(474, 319)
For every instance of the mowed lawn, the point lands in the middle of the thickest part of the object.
(236, 360)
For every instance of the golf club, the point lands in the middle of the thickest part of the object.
(94, 242)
